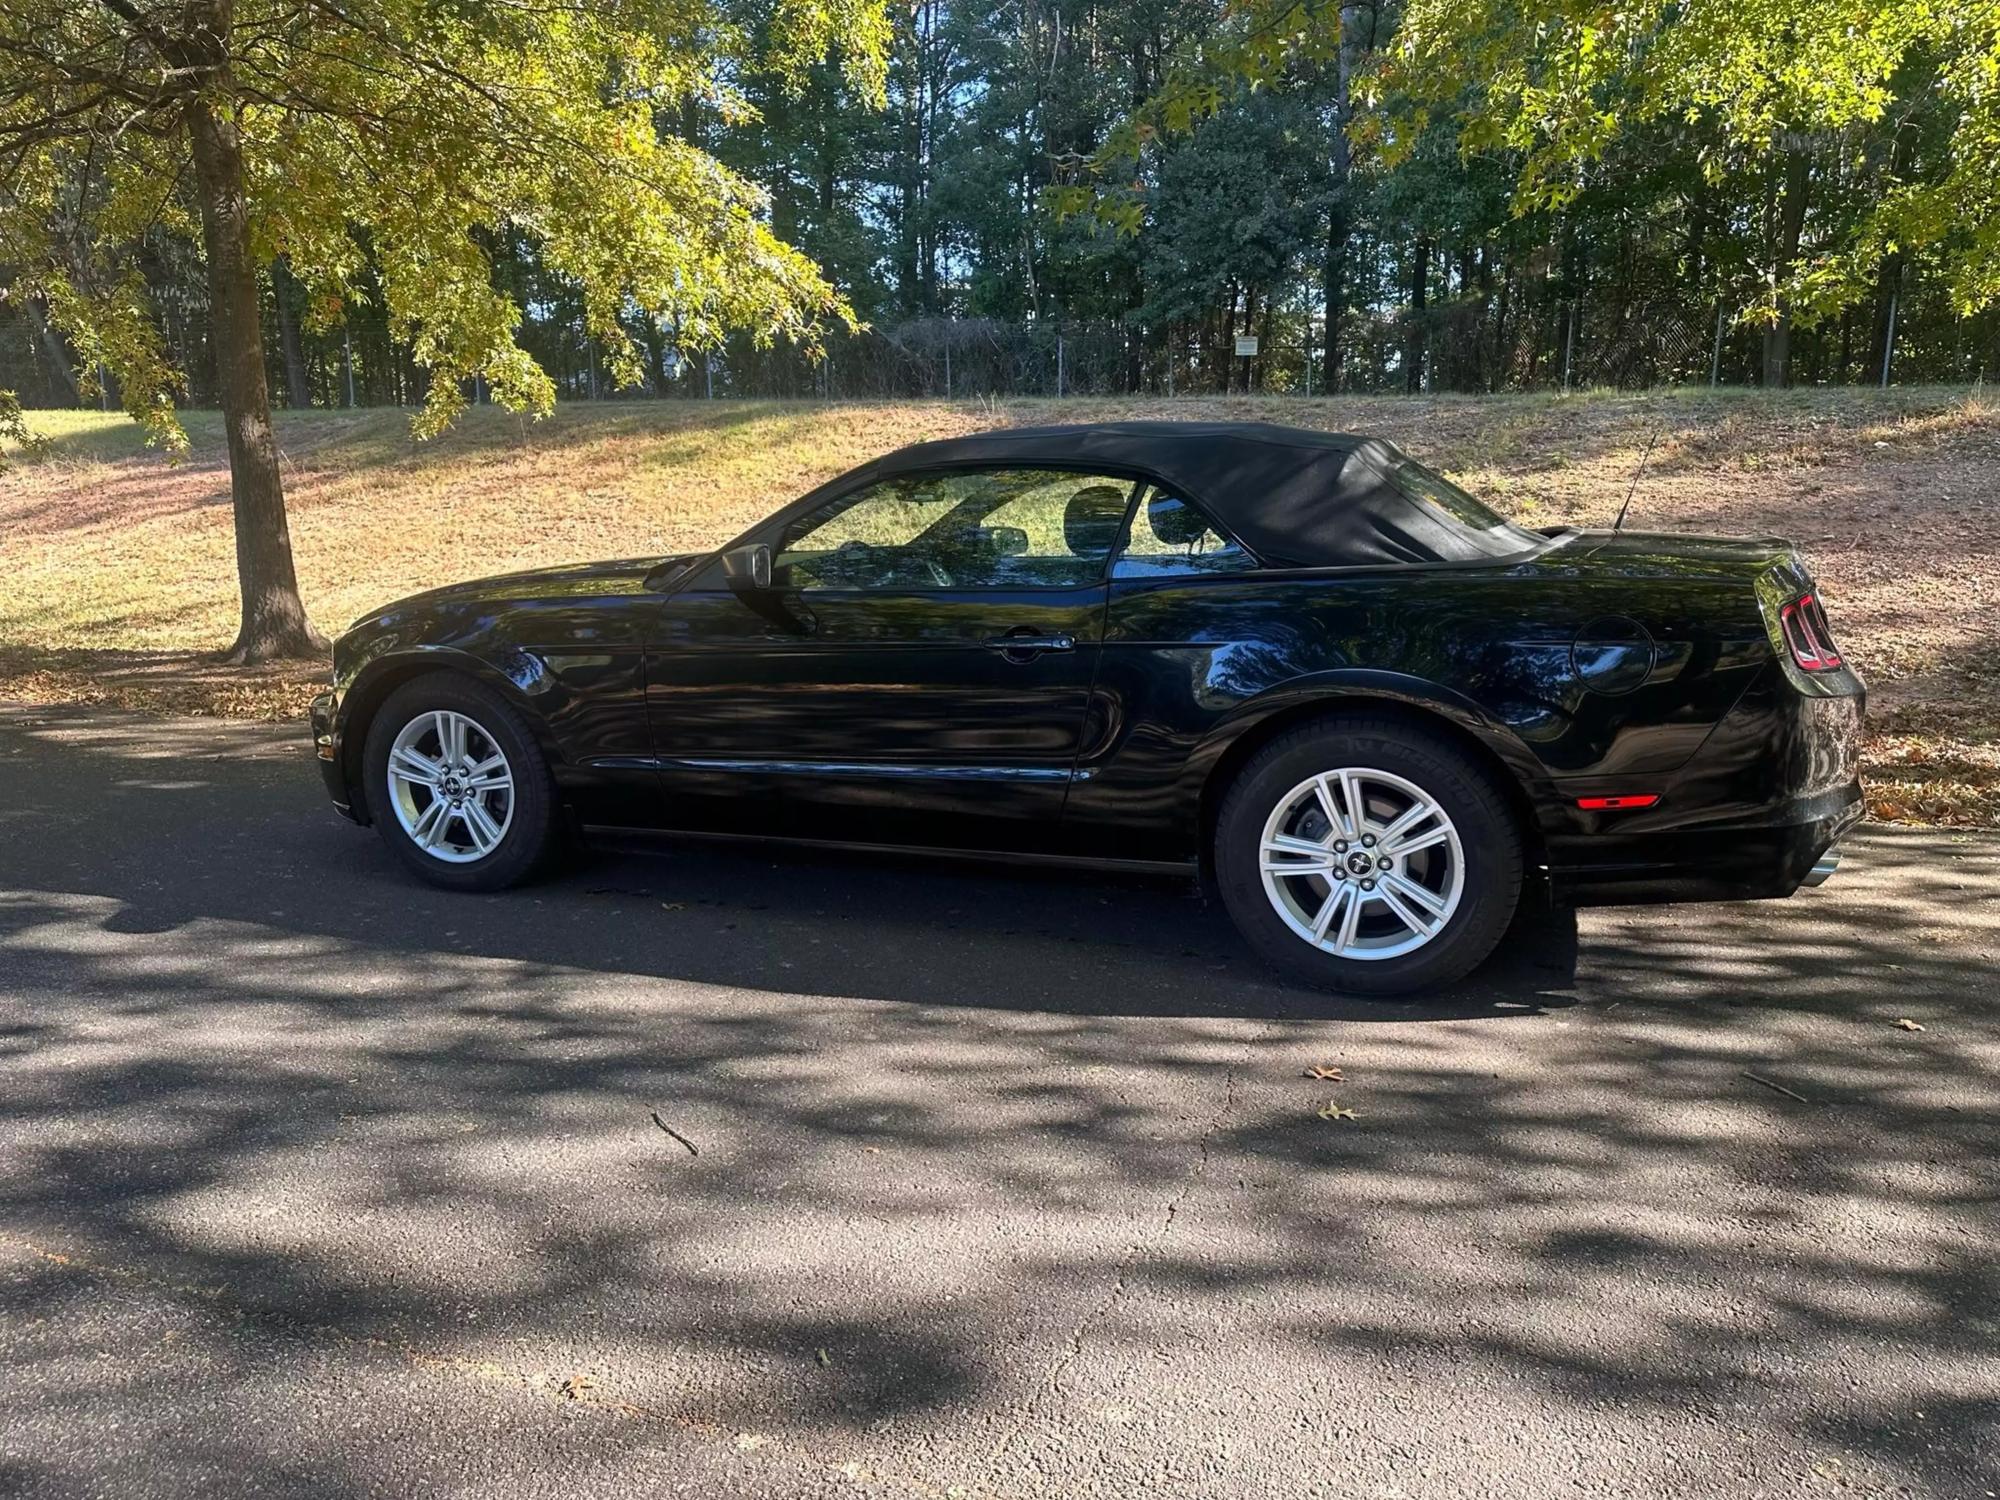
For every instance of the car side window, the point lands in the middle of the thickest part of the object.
(959, 529)
(1171, 539)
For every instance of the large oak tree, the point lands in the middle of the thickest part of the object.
(390, 144)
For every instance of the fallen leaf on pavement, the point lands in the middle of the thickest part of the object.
(1326, 1074)
(673, 906)
(825, 1358)
(575, 1385)
(1335, 1112)
(1904, 1023)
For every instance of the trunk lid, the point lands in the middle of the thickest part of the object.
(1685, 554)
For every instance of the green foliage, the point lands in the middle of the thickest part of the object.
(1905, 93)
(1248, 47)
(391, 147)
(14, 428)
(1235, 205)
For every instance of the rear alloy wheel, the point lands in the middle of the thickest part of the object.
(1369, 857)
(1362, 864)
(457, 784)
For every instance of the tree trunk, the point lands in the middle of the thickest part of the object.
(1887, 279)
(274, 618)
(1340, 218)
(1475, 268)
(298, 386)
(1694, 251)
(52, 345)
(1227, 350)
(1334, 284)
(1420, 277)
(1264, 345)
(1791, 222)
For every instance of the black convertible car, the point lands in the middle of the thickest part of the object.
(1365, 706)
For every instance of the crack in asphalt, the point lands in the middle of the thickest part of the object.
(559, 1389)
(1141, 1246)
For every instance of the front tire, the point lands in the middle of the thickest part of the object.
(457, 785)
(1367, 856)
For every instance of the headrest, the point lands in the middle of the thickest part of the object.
(1175, 522)
(1092, 518)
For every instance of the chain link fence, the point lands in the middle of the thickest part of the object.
(1469, 343)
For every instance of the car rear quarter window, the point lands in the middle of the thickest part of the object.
(1171, 538)
(1428, 487)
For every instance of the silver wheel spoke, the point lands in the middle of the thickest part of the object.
(1411, 816)
(1288, 854)
(1331, 808)
(1425, 899)
(1421, 841)
(412, 765)
(1329, 909)
(479, 823)
(500, 783)
(1350, 794)
(1350, 922)
(430, 827)
(1404, 914)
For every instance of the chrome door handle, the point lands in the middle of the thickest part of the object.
(1024, 645)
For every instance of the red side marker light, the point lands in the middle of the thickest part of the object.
(1616, 804)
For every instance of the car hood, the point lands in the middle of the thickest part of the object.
(567, 581)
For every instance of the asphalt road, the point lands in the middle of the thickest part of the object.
(317, 1183)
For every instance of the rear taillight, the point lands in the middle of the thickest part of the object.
(1803, 623)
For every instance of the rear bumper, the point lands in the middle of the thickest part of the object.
(1771, 856)
(1749, 816)
(328, 757)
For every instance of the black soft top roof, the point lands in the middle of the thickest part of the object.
(1295, 498)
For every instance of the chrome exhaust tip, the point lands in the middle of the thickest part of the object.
(1824, 866)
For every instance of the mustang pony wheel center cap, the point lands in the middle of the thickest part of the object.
(1360, 864)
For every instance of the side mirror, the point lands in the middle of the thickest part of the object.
(1008, 541)
(748, 567)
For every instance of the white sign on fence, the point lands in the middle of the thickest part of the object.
(1246, 346)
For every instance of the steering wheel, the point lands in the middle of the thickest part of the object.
(855, 560)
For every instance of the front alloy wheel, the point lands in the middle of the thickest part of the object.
(458, 784)
(450, 786)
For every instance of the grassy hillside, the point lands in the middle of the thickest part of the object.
(120, 569)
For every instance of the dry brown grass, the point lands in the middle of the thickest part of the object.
(120, 571)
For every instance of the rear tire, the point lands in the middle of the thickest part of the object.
(1414, 893)
(457, 785)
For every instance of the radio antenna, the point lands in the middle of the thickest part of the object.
(1619, 524)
